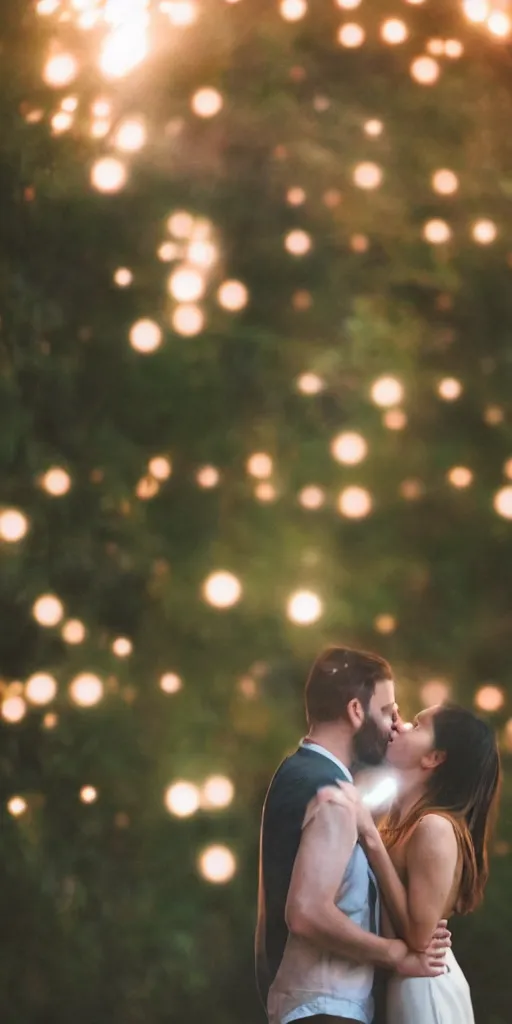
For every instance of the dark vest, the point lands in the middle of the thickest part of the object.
(295, 783)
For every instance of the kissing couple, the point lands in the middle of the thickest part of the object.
(339, 896)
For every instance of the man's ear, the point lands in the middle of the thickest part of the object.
(434, 759)
(355, 713)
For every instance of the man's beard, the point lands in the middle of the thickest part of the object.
(370, 743)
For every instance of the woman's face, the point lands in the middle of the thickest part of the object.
(412, 744)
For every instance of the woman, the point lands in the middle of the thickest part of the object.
(430, 855)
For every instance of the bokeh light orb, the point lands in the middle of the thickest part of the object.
(181, 224)
(373, 127)
(222, 590)
(145, 336)
(88, 794)
(170, 682)
(453, 49)
(217, 864)
(460, 477)
(160, 467)
(73, 631)
(14, 709)
(296, 196)
(86, 690)
(385, 624)
(349, 448)
(202, 253)
(445, 182)
(108, 174)
(48, 610)
(182, 799)
(387, 391)
(186, 284)
(355, 502)
(437, 231)
(395, 419)
(122, 647)
(123, 277)
(208, 476)
(503, 502)
(394, 31)
(484, 232)
(304, 608)
(265, 492)
(351, 36)
(489, 698)
(61, 122)
(367, 175)
(188, 320)
(449, 389)
(147, 488)
(41, 688)
(507, 469)
(124, 47)
(218, 792)
(56, 481)
(167, 252)
(13, 525)
(312, 497)
(476, 10)
(310, 384)
(60, 70)
(260, 465)
(207, 102)
(298, 242)
(233, 296)
(181, 12)
(131, 136)
(425, 70)
(293, 10)
(499, 24)
(16, 806)
(348, 5)
(436, 691)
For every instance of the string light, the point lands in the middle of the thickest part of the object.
(56, 481)
(61, 122)
(348, 5)
(296, 196)
(310, 384)
(208, 476)
(147, 488)
(503, 502)
(387, 391)
(233, 296)
(436, 691)
(460, 476)
(425, 70)
(88, 794)
(188, 320)
(494, 415)
(170, 683)
(349, 448)
(203, 253)
(181, 224)
(48, 610)
(186, 284)
(395, 419)
(130, 136)
(86, 690)
(489, 698)
(14, 709)
(394, 31)
(436, 47)
(373, 127)
(124, 48)
(367, 175)
(207, 102)
(145, 336)
(499, 24)
(351, 36)
(101, 108)
(73, 631)
(181, 13)
(355, 502)
(41, 688)
(265, 492)
(445, 182)
(123, 277)
(484, 231)
(304, 608)
(16, 806)
(476, 10)
(108, 174)
(449, 389)
(122, 647)
(217, 792)
(312, 497)
(60, 70)
(182, 799)
(47, 6)
(385, 624)
(160, 467)
(437, 231)
(217, 864)
(13, 525)
(293, 10)
(260, 465)
(222, 590)
(298, 242)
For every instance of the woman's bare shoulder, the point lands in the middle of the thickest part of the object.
(434, 833)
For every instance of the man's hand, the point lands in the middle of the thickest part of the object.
(431, 963)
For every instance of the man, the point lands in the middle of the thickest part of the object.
(317, 939)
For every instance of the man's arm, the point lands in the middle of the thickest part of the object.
(325, 849)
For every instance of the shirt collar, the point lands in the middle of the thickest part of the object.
(327, 753)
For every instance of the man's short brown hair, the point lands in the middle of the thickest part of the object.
(337, 676)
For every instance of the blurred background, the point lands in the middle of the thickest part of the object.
(255, 380)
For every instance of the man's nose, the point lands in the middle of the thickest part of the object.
(398, 724)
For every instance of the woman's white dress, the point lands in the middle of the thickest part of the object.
(443, 1000)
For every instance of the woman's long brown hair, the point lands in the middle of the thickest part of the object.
(465, 788)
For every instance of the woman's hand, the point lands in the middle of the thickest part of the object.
(346, 794)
